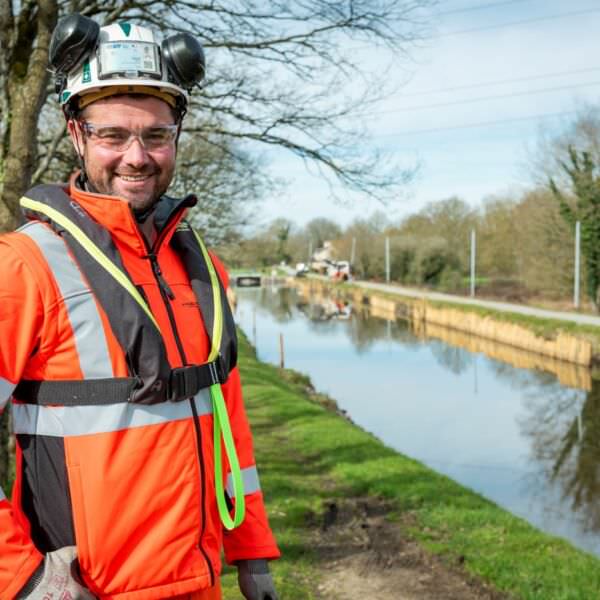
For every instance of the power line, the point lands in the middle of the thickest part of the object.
(481, 124)
(501, 82)
(486, 98)
(481, 7)
(499, 26)
(521, 22)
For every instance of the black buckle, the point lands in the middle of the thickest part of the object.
(218, 369)
(186, 382)
(183, 383)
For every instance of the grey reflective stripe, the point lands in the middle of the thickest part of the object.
(6, 390)
(2, 496)
(250, 479)
(63, 421)
(88, 331)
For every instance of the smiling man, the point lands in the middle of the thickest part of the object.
(135, 466)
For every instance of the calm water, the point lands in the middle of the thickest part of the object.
(517, 436)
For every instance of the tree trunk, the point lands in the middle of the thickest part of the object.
(26, 77)
(27, 82)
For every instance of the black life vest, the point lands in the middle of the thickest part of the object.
(151, 378)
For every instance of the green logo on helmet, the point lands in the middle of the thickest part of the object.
(65, 96)
(87, 74)
(126, 27)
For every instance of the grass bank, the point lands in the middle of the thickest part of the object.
(308, 456)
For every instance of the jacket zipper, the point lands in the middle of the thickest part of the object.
(167, 295)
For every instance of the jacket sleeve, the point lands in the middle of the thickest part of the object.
(253, 538)
(21, 315)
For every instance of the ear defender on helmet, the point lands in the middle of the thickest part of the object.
(73, 38)
(184, 57)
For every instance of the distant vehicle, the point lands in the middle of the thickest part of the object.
(302, 270)
(247, 280)
(339, 270)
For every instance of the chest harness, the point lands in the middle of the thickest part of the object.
(151, 379)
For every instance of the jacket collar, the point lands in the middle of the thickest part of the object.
(114, 214)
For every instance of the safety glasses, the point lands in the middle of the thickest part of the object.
(118, 139)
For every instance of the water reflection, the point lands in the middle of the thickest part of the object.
(521, 429)
(326, 309)
(565, 433)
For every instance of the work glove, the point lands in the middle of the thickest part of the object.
(255, 581)
(56, 578)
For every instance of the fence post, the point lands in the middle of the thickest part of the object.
(473, 250)
(281, 352)
(387, 259)
(577, 263)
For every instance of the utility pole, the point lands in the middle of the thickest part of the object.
(473, 250)
(387, 259)
(577, 263)
(309, 252)
(353, 253)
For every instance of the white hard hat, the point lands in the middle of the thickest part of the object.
(92, 62)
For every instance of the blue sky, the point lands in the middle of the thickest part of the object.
(554, 49)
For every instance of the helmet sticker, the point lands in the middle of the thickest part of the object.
(128, 57)
(126, 27)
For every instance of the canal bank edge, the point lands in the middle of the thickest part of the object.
(565, 341)
(311, 460)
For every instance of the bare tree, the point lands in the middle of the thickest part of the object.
(551, 148)
(278, 75)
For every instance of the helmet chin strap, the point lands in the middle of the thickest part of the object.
(82, 178)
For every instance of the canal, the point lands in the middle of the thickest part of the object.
(526, 438)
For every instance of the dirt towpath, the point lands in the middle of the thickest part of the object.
(366, 556)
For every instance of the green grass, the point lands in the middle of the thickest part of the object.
(308, 455)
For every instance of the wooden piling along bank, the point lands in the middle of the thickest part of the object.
(430, 320)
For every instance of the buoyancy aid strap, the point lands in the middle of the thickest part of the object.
(80, 392)
(92, 249)
(217, 332)
(184, 382)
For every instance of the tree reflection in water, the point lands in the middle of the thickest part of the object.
(456, 360)
(577, 459)
(564, 425)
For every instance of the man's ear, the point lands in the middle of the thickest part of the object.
(76, 136)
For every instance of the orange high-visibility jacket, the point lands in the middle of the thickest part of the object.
(130, 484)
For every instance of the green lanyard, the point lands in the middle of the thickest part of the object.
(220, 416)
(221, 425)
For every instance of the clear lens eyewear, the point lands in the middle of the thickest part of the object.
(114, 137)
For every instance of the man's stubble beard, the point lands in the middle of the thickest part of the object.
(138, 204)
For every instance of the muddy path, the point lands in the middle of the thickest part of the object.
(363, 556)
